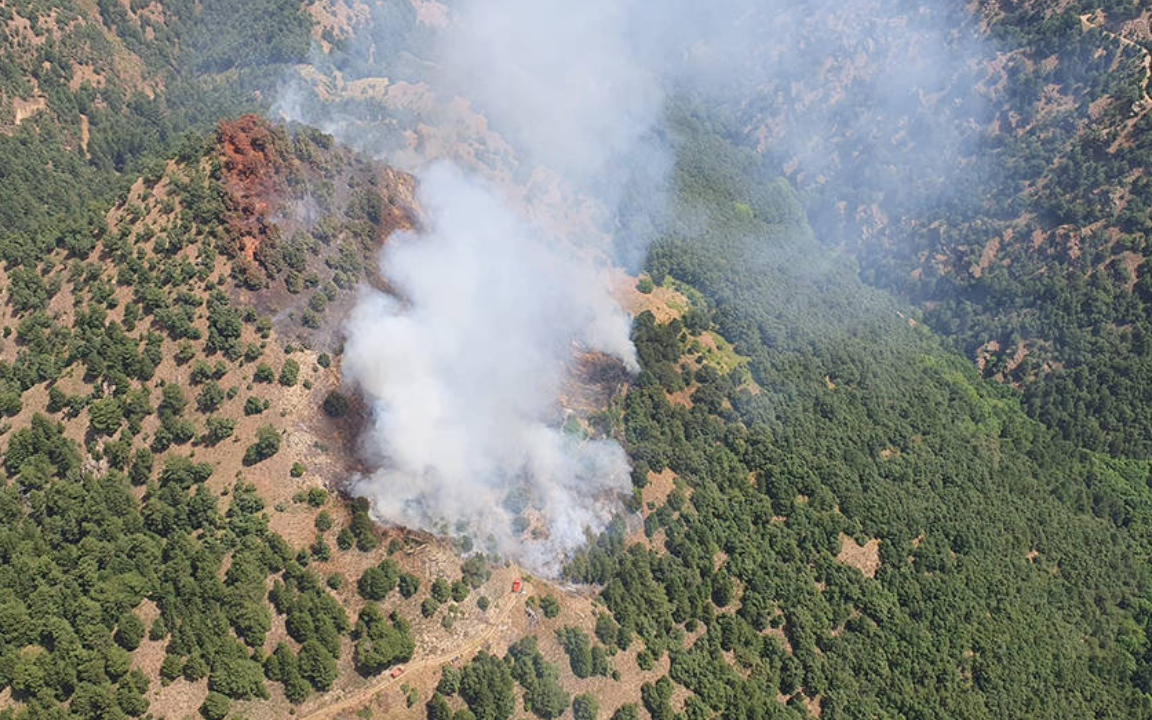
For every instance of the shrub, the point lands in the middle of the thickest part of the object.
(215, 706)
(336, 405)
(289, 372)
(267, 444)
(263, 374)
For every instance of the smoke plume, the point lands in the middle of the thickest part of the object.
(464, 368)
(464, 372)
(528, 123)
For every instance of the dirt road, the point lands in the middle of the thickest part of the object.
(362, 696)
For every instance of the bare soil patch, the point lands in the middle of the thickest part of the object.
(665, 303)
(865, 558)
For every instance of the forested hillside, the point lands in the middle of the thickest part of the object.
(890, 439)
(1008, 200)
(91, 91)
(163, 435)
(858, 522)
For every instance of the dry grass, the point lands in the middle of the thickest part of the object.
(664, 302)
(865, 558)
(660, 485)
(177, 700)
(27, 108)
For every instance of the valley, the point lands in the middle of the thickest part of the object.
(406, 359)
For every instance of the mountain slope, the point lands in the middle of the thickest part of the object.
(999, 184)
(91, 90)
(1008, 575)
(888, 438)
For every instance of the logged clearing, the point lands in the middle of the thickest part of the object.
(865, 558)
(665, 302)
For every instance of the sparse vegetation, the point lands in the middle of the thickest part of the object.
(550, 605)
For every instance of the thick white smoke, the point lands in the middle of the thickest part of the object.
(571, 83)
(464, 368)
(463, 374)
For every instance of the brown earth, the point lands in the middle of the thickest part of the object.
(865, 558)
(665, 303)
(255, 170)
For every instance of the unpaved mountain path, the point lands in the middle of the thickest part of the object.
(1144, 105)
(361, 696)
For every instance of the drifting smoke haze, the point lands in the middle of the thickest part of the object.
(463, 369)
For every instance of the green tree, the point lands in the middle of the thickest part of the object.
(317, 665)
(172, 401)
(363, 529)
(289, 372)
(376, 582)
(475, 571)
(217, 429)
(585, 707)
(540, 679)
(409, 585)
(210, 397)
(105, 416)
(437, 708)
(441, 590)
(336, 405)
(550, 605)
(255, 405)
(267, 444)
(159, 629)
(263, 374)
(449, 681)
(486, 685)
(129, 631)
(215, 706)
(381, 642)
(578, 647)
(237, 677)
(627, 712)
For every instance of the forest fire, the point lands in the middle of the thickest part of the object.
(254, 168)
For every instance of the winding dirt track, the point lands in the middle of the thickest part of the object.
(1144, 105)
(361, 696)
